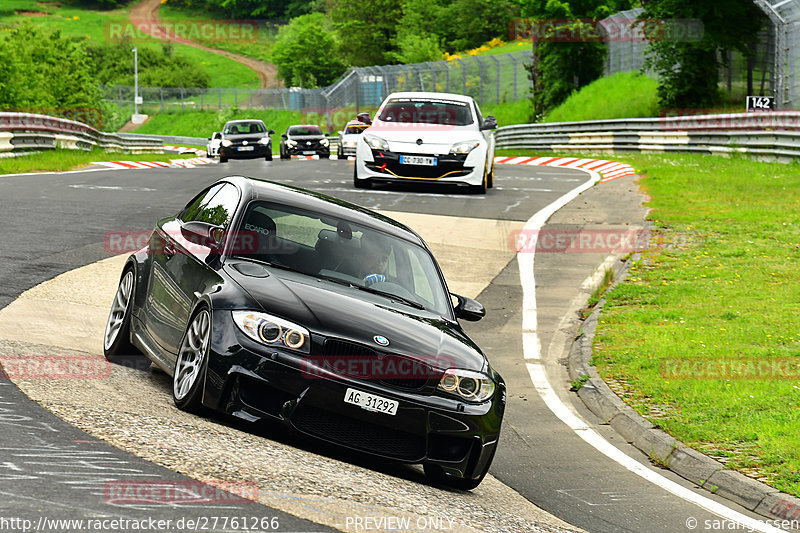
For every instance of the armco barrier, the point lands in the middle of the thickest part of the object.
(28, 131)
(774, 136)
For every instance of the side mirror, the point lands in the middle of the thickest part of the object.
(204, 234)
(469, 309)
(283, 136)
(364, 117)
(271, 132)
(489, 123)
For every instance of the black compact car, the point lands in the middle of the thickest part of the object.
(277, 304)
(306, 139)
(245, 139)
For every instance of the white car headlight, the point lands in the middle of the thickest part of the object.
(350, 144)
(263, 140)
(291, 144)
(473, 387)
(273, 331)
(464, 147)
(226, 142)
(376, 143)
(324, 142)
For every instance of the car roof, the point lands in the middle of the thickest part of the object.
(244, 120)
(264, 190)
(420, 94)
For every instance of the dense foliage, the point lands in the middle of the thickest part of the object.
(562, 65)
(688, 69)
(42, 71)
(305, 52)
(112, 64)
(245, 9)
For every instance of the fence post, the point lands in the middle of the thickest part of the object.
(514, 60)
(161, 92)
(183, 104)
(463, 76)
(235, 97)
(480, 75)
(494, 58)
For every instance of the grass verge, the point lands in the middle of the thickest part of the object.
(59, 160)
(624, 95)
(702, 337)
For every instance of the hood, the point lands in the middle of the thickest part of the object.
(436, 139)
(346, 313)
(305, 137)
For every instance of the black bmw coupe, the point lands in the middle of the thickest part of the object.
(273, 303)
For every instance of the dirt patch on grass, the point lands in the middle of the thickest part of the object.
(28, 13)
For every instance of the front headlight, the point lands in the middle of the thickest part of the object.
(226, 143)
(324, 142)
(273, 331)
(350, 144)
(464, 147)
(291, 144)
(263, 140)
(376, 143)
(473, 387)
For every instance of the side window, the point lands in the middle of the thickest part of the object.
(193, 208)
(215, 207)
(220, 208)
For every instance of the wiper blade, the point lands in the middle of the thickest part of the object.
(392, 296)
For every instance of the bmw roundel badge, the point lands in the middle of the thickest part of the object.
(380, 339)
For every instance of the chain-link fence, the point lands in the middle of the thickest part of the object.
(489, 79)
(771, 69)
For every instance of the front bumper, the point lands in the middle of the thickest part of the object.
(303, 149)
(258, 383)
(384, 165)
(233, 151)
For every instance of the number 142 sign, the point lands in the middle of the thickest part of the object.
(760, 103)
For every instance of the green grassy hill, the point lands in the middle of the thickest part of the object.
(108, 26)
(624, 95)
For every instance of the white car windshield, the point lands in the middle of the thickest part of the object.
(426, 111)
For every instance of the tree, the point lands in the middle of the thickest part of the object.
(688, 69)
(366, 30)
(44, 72)
(305, 52)
(568, 53)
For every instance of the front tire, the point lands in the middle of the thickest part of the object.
(223, 159)
(357, 183)
(268, 157)
(191, 363)
(117, 339)
(479, 189)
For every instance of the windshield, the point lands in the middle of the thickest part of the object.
(355, 129)
(426, 111)
(305, 130)
(326, 247)
(240, 128)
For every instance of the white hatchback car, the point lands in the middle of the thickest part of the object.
(433, 137)
(212, 147)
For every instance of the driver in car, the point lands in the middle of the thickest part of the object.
(374, 259)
